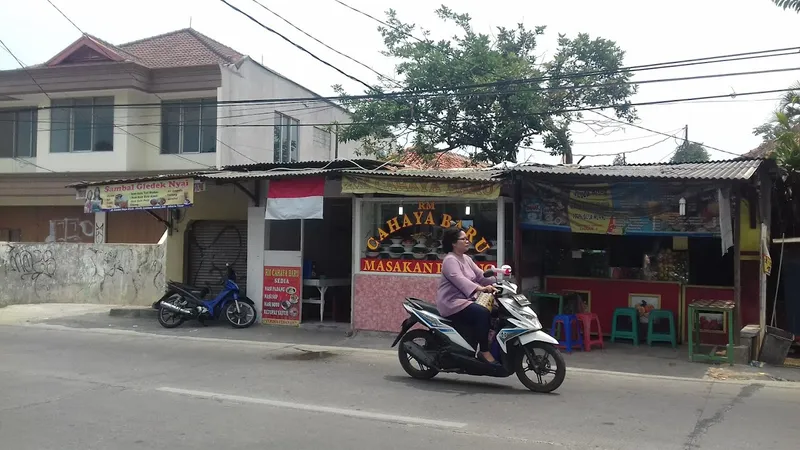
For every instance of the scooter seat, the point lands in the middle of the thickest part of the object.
(423, 305)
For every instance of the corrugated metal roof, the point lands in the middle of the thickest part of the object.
(152, 177)
(450, 174)
(261, 174)
(736, 169)
(368, 164)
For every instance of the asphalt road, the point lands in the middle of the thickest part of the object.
(70, 389)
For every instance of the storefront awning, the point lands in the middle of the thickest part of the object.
(473, 184)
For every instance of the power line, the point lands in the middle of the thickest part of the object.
(420, 94)
(642, 67)
(370, 87)
(665, 134)
(380, 75)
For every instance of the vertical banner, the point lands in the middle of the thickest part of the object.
(281, 303)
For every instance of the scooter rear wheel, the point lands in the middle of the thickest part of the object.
(413, 367)
(540, 366)
(167, 318)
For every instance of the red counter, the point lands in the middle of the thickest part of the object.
(605, 295)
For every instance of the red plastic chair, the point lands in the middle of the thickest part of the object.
(585, 320)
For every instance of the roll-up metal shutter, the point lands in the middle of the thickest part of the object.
(211, 245)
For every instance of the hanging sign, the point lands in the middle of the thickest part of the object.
(161, 194)
(621, 208)
(281, 304)
(360, 184)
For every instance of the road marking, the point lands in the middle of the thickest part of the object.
(406, 420)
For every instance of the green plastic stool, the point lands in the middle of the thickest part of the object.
(661, 337)
(633, 334)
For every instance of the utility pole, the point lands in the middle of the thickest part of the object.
(686, 136)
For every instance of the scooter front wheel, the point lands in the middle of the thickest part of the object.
(413, 367)
(243, 318)
(543, 357)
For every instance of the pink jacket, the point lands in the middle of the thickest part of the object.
(461, 277)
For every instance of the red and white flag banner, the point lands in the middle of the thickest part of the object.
(295, 198)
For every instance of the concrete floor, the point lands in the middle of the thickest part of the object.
(74, 389)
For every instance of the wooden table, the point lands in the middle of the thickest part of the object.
(726, 307)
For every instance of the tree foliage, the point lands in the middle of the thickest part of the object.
(788, 4)
(789, 106)
(690, 152)
(491, 121)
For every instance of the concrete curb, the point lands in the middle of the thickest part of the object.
(146, 312)
(272, 346)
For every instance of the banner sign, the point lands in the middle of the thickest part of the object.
(406, 266)
(425, 215)
(140, 195)
(360, 184)
(281, 303)
(635, 208)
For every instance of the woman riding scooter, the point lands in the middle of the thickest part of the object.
(459, 285)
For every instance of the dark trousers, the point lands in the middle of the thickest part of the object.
(477, 319)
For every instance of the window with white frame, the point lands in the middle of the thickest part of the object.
(82, 125)
(286, 134)
(189, 126)
(18, 133)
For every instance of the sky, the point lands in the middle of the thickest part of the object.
(648, 31)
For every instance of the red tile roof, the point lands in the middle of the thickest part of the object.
(181, 48)
(444, 160)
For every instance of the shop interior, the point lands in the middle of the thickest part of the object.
(326, 264)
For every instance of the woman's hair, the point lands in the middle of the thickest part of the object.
(449, 238)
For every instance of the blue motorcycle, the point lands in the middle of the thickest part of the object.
(182, 302)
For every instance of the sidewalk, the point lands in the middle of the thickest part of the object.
(619, 357)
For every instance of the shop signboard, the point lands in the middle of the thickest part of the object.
(359, 184)
(408, 266)
(281, 302)
(631, 208)
(161, 194)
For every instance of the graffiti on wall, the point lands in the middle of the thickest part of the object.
(71, 229)
(81, 273)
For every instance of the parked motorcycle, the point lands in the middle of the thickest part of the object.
(519, 343)
(186, 302)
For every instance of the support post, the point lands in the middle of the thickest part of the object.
(517, 240)
(737, 260)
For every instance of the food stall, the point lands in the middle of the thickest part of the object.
(399, 221)
(632, 243)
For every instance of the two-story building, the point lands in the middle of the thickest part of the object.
(174, 103)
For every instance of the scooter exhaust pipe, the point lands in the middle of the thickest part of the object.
(419, 353)
(175, 309)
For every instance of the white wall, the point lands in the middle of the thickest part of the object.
(255, 143)
(137, 148)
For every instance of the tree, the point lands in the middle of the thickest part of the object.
(619, 160)
(788, 4)
(690, 152)
(467, 92)
(789, 106)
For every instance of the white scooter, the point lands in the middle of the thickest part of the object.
(519, 343)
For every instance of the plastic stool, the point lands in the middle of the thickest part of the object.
(661, 337)
(585, 320)
(571, 329)
(633, 334)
